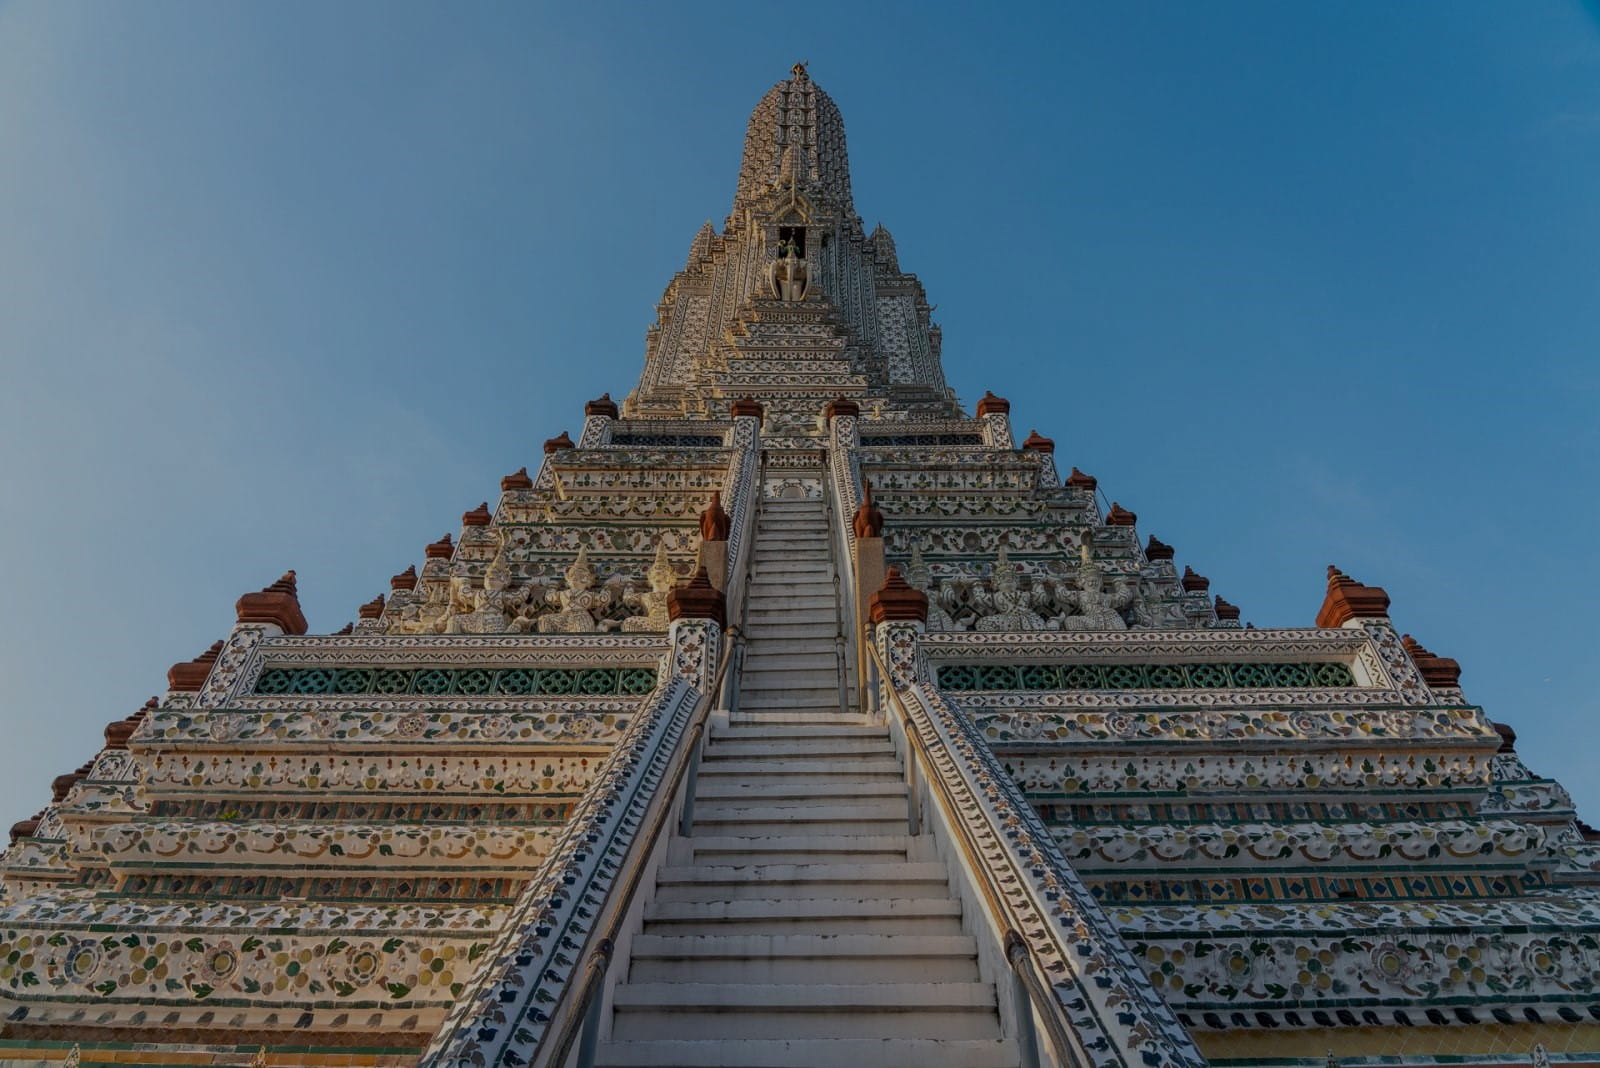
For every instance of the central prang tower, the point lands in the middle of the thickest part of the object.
(792, 716)
(793, 302)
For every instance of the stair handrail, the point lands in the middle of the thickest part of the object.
(582, 1011)
(1069, 1052)
(841, 562)
(582, 1016)
(744, 568)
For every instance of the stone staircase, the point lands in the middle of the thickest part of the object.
(802, 924)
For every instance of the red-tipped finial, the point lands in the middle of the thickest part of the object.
(188, 676)
(1348, 599)
(897, 601)
(1436, 671)
(697, 599)
(868, 520)
(278, 604)
(714, 520)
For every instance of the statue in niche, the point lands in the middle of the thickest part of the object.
(428, 616)
(582, 606)
(662, 578)
(1010, 609)
(483, 609)
(790, 274)
(942, 601)
(527, 605)
(1098, 608)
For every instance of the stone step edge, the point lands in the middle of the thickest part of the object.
(809, 1052)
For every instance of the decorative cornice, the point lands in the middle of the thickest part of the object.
(897, 601)
(714, 520)
(1156, 549)
(1037, 442)
(278, 604)
(841, 406)
(990, 404)
(405, 580)
(697, 599)
(601, 405)
(516, 480)
(561, 441)
(442, 549)
(1436, 670)
(1079, 480)
(478, 517)
(189, 675)
(868, 520)
(1348, 599)
(747, 406)
(1120, 516)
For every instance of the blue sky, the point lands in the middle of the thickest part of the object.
(293, 285)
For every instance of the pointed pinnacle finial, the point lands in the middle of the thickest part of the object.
(799, 72)
(278, 604)
(1348, 599)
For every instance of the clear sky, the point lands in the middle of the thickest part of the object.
(293, 285)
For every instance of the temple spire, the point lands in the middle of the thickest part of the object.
(795, 141)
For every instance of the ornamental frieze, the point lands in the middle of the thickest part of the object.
(423, 774)
(1047, 775)
(498, 723)
(1284, 644)
(1036, 724)
(1577, 909)
(391, 847)
(1498, 968)
(233, 965)
(463, 650)
(1477, 843)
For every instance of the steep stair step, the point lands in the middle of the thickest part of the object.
(812, 959)
(775, 700)
(733, 733)
(750, 767)
(808, 1010)
(793, 788)
(799, 849)
(786, 661)
(899, 874)
(783, 627)
(755, 717)
(789, 597)
(797, 809)
(801, 824)
(788, 564)
(723, 746)
(810, 1053)
(806, 915)
(774, 693)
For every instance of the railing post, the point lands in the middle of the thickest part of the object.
(913, 789)
(838, 656)
(589, 1042)
(1021, 1003)
(686, 816)
(871, 700)
(730, 687)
